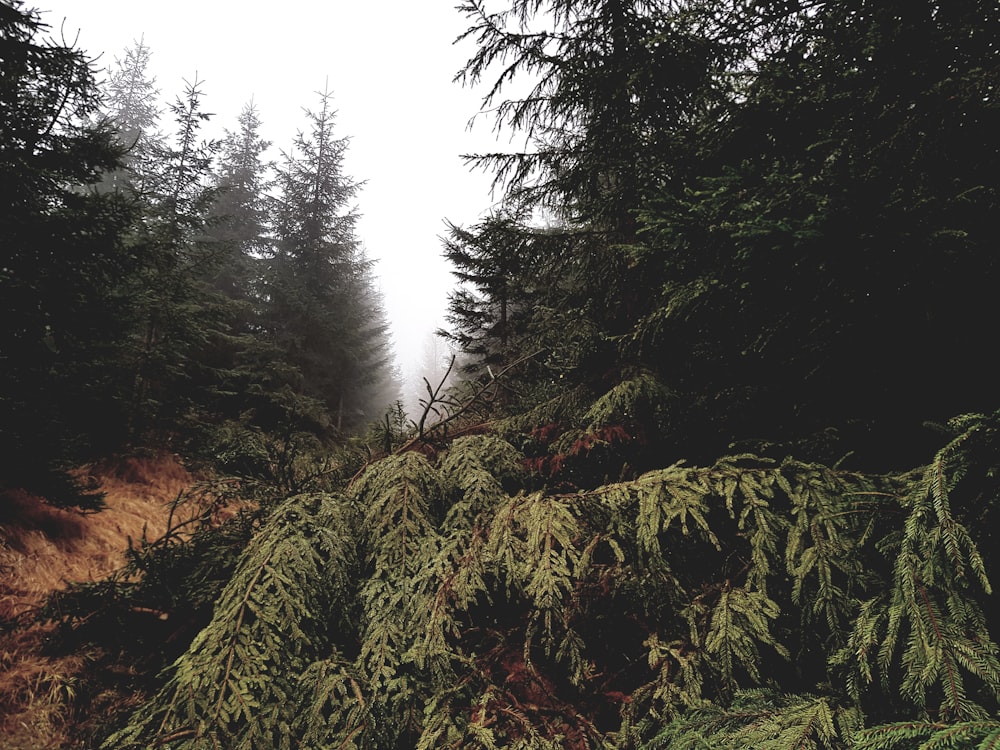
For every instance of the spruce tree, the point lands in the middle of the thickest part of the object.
(520, 301)
(607, 77)
(322, 311)
(491, 263)
(61, 264)
(241, 208)
(239, 358)
(832, 231)
(613, 91)
(132, 107)
(775, 264)
(180, 309)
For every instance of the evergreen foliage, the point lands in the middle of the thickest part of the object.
(132, 108)
(810, 258)
(236, 685)
(242, 220)
(926, 735)
(760, 718)
(140, 279)
(776, 266)
(239, 364)
(179, 309)
(712, 606)
(321, 310)
(491, 264)
(735, 272)
(61, 264)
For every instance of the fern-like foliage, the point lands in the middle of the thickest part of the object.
(458, 601)
(937, 565)
(635, 398)
(400, 534)
(926, 735)
(476, 470)
(761, 719)
(236, 685)
(928, 623)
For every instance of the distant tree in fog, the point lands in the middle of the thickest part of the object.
(322, 310)
(132, 107)
(241, 212)
(181, 312)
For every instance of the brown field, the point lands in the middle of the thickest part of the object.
(42, 549)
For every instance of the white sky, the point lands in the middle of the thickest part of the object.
(389, 65)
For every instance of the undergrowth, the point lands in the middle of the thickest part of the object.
(468, 594)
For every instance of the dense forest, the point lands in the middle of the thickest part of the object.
(160, 288)
(715, 463)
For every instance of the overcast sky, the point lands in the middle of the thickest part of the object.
(389, 65)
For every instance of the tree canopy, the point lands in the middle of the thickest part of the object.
(782, 210)
(143, 274)
(60, 258)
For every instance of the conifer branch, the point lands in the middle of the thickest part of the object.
(478, 396)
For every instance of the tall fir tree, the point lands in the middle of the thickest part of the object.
(241, 215)
(61, 264)
(490, 266)
(826, 269)
(320, 310)
(603, 74)
(132, 107)
(514, 282)
(613, 90)
(778, 267)
(181, 310)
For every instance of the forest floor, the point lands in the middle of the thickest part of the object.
(42, 550)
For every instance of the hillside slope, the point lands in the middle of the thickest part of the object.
(42, 549)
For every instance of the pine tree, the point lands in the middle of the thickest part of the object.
(491, 263)
(521, 301)
(322, 310)
(831, 232)
(241, 208)
(180, 309)
(239, 359)
(378, 381)
(614, 91)
(61, 264)
(607, 77)
(132, 107)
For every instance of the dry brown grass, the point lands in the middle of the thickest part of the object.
(42, 549)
